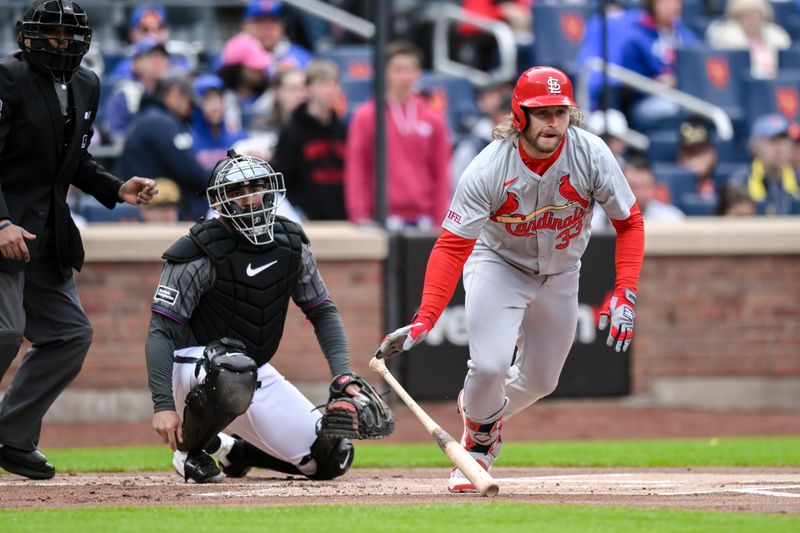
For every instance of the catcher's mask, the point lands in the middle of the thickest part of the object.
(246, 192)
(54, 21)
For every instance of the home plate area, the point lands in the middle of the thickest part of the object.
(726, 489)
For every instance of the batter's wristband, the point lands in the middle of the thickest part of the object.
(4, 225)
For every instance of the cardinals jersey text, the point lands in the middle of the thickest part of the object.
(540, 224)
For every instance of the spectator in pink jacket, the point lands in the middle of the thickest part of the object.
(418, 151)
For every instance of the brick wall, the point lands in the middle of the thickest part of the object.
(698, 316)
(717, 316)
(117, 298)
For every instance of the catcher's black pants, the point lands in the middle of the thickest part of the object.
(49, 314)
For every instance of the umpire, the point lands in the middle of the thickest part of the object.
(48, 103)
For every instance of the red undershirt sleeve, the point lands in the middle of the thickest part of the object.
(629, 251)
(441, 276)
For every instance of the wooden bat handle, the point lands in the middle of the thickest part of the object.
(479, 477)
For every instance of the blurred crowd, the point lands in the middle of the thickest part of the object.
(170, 117)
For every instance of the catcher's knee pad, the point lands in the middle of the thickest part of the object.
(225, 394)
(333, 457)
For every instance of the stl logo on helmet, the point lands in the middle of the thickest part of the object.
(553, 86)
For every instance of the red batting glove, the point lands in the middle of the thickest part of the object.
(405, 338)
(620, 311)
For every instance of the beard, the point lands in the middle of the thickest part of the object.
(543, 145)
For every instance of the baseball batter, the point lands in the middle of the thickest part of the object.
(517, 228)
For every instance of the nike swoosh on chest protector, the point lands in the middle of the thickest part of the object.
(255, 271)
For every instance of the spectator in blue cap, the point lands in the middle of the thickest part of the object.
(212, 138)
(771, 181)
(149, 22)
(263, 19)
(149, 60)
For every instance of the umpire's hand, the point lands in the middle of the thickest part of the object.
(12, 241)
(168, 425)
(138, 191)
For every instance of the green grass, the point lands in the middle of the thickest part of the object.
(483, 516)
(772, 451)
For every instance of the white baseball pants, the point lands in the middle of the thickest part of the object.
(509, 310)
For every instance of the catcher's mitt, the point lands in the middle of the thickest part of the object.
(364, 416)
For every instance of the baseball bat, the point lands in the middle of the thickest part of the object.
(479, 477)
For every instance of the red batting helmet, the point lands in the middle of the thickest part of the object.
(539, 87)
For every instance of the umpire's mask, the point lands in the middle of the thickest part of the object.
(54, 35)
(245, 191)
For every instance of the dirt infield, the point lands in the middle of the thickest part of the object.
(773, 490)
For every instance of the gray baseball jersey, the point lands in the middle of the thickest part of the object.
(540, 224)
(182, 285)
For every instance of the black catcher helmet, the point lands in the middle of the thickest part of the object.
(61, 21)
(246, 191)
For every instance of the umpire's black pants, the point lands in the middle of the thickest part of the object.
(49, 314)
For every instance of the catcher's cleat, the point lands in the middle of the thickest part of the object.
(199, 468)
(231, 455)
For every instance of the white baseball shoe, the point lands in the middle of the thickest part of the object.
(199, 468)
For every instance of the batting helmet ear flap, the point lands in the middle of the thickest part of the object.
(518, 116)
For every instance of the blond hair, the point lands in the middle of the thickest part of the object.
(506, 128)
(736, 8)
(322, 70)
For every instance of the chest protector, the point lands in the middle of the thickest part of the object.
(253, 286)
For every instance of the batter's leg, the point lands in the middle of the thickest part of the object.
(496, 298)
(548, 330)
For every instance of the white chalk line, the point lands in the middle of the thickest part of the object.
(762, 491)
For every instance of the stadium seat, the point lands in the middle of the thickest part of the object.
(695, 17)
(559, 31)
(725, 170)
(789, 59)
(778, 95)
(354, 61)
(714, 76)
(663, 146)
(695, 205)
(678, 180)
(453, 95)
(356, 92)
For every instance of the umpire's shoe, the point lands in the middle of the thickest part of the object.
(199, 468)
(32, 464)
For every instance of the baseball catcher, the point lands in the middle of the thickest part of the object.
(218, 317)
